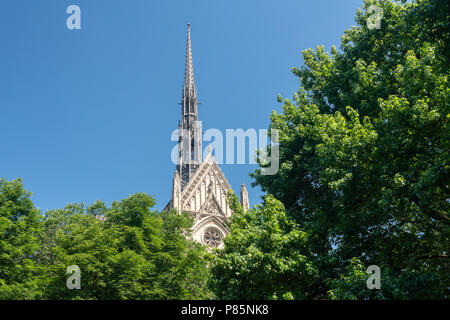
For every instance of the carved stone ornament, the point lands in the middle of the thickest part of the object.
(212, 237)
(212, 208)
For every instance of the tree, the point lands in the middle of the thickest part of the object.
(19, 230)
(364, 152)
(126, 251)
(265, 255)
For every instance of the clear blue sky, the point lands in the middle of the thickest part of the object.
(87, 114)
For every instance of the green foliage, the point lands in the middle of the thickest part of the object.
(19, 225)
(364, 154)
(352, 284)
(127, 251)
(265, 257)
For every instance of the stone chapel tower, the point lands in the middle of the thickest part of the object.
(199, 186)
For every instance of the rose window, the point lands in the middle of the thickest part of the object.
(212, 237)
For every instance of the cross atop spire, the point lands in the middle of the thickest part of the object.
(189, 83)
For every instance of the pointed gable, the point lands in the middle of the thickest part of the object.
(207, 181)
(211, 206)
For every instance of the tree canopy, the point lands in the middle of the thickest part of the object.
(125, 251)
(364, 154)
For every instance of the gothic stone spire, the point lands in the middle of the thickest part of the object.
(190, 128)
(199, 185)
(189, 83)
(189, 96)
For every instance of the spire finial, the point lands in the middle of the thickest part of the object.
(189, 83)
(244, 198)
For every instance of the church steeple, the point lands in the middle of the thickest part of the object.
(189, 95)
(199, 186)
(189, 83)
(190, 142)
